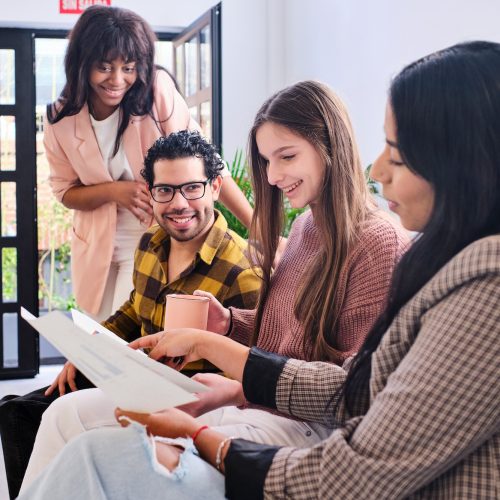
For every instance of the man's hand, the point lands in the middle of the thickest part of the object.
(66, 376)
(219, 317)
(225, 392)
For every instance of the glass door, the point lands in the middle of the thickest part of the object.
(18, 230)
(197, 68)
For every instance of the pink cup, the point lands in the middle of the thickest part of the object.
(186, 311)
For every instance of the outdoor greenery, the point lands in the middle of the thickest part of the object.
(239, 173)
(9, 274)
(373, 185)
(55, 222)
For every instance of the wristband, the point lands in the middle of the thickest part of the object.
(218, 455)
(198, 432)
(230, 327)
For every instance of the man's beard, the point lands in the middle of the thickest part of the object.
(202, 218)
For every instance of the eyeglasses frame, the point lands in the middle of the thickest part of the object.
(179, 187)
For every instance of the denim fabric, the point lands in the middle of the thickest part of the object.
(19, 421)
(108, 464)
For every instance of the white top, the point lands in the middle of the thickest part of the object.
(128, 228)
(105, 133)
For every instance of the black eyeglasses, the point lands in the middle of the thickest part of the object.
(163, 193)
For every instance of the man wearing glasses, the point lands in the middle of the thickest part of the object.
(191, 248)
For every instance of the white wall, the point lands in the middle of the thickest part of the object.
(356, 46)
(254, 52)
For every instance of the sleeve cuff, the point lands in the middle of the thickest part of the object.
(230, 323)
(260, 376)
(246, 466)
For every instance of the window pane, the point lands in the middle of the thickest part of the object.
(206, 119)
(7, 76)
(163, 55)
(205, 54)
(8, 207)
(7, 142)
(179, 67)
(10, 342)
(9, 274)
(50, 76)
(191, 66)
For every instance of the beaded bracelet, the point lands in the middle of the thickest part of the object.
(198, 432)
(218, 455)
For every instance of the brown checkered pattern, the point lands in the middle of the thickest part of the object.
(220, 267)
(430, 427)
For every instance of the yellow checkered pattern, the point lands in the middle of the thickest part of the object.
(220, 267)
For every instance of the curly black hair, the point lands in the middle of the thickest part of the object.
(182, 144)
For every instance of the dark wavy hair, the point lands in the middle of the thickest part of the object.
(447, 112)
(182, 144)
(107, 33)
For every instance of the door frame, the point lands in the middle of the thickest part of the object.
(25, 240)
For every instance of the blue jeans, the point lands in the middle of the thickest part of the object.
(120, 463)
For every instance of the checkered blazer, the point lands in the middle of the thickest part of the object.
(430, 427)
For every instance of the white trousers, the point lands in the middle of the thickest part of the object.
(80, 411)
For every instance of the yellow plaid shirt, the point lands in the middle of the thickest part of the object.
(220, 267)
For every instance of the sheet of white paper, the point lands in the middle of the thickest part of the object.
(132, 381)
(91, 326)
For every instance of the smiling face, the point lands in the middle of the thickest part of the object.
(408, 195)
(109, 82)
(185, 220)
(293, 164)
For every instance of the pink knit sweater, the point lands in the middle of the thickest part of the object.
(366, 277)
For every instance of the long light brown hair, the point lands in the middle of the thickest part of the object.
(312, 111)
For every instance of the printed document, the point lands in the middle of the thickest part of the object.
(132, 380)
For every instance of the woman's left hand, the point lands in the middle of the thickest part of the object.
(172, 423)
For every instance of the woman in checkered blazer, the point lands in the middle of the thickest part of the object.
(416, 413)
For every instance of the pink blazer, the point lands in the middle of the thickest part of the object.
(75, 159)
